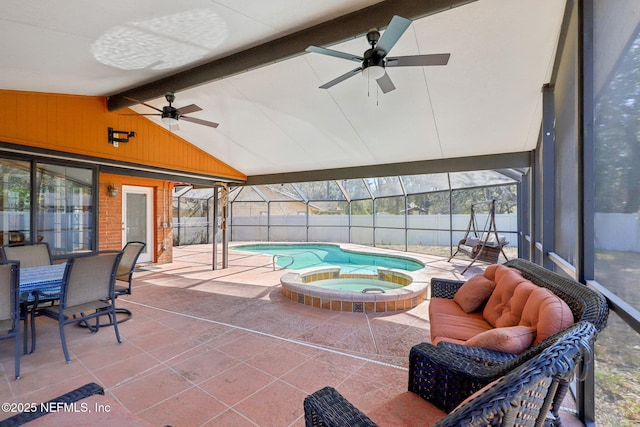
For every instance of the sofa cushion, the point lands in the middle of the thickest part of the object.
(506, 281)
(436, 340)
(474, 293)
(438, 306)
(457, 327)
(512, 311)
(490, 272)
(547, 312)
(513, 339)
(445, 306)
(502, 272)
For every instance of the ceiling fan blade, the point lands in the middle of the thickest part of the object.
(199, 121)
(343, 77)
(392, 34)
(140, 114)
(418, 60)
(334, 53)
(143, 103)
(188, 109)
(385, 83)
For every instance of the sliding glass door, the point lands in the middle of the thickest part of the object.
(64, 208)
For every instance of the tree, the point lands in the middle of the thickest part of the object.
(617, 138)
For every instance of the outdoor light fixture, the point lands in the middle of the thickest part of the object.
(117, 136)
(112, 190)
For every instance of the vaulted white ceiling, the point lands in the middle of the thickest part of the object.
(274, 119)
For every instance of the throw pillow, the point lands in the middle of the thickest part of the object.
(474, 293)
(513, 339)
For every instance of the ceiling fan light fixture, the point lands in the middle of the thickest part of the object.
(169, 115)
(374, 60)
(169, 121)
(373, 72)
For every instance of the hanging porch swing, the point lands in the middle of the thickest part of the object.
(484, 245)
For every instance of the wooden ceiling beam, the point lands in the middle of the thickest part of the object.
(334, 31)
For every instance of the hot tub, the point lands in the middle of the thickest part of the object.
(332, 289)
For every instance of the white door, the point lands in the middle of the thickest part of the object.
(137, 218)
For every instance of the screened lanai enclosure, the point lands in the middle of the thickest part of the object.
(427, 213)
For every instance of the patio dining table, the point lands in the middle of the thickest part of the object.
(44, 280)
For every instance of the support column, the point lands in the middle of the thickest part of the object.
(215, 229)
(224, 202)
(547, 176)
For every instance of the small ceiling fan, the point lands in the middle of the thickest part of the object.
(375, 61)
(171, 115)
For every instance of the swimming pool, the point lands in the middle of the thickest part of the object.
(301, 256)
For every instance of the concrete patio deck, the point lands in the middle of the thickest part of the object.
(223, 348)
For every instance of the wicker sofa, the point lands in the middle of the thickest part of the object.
(456, 370)
(522, 397)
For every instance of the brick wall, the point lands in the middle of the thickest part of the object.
(110, 215)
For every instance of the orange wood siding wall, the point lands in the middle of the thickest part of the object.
(78, 124)
(110, 215)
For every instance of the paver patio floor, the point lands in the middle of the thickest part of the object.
(223, 348)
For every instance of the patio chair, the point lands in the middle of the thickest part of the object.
(87, 293)
(30, 254)
(522, 397)
(10, 307)
(124, 276)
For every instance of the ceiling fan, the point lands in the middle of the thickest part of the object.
(375, 60)
(170, 115)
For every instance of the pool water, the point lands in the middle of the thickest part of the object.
(299, 256)
(357, 285)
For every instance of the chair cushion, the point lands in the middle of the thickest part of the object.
(472, 241)
(474, 293)
(513, 339)
(492, 241)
